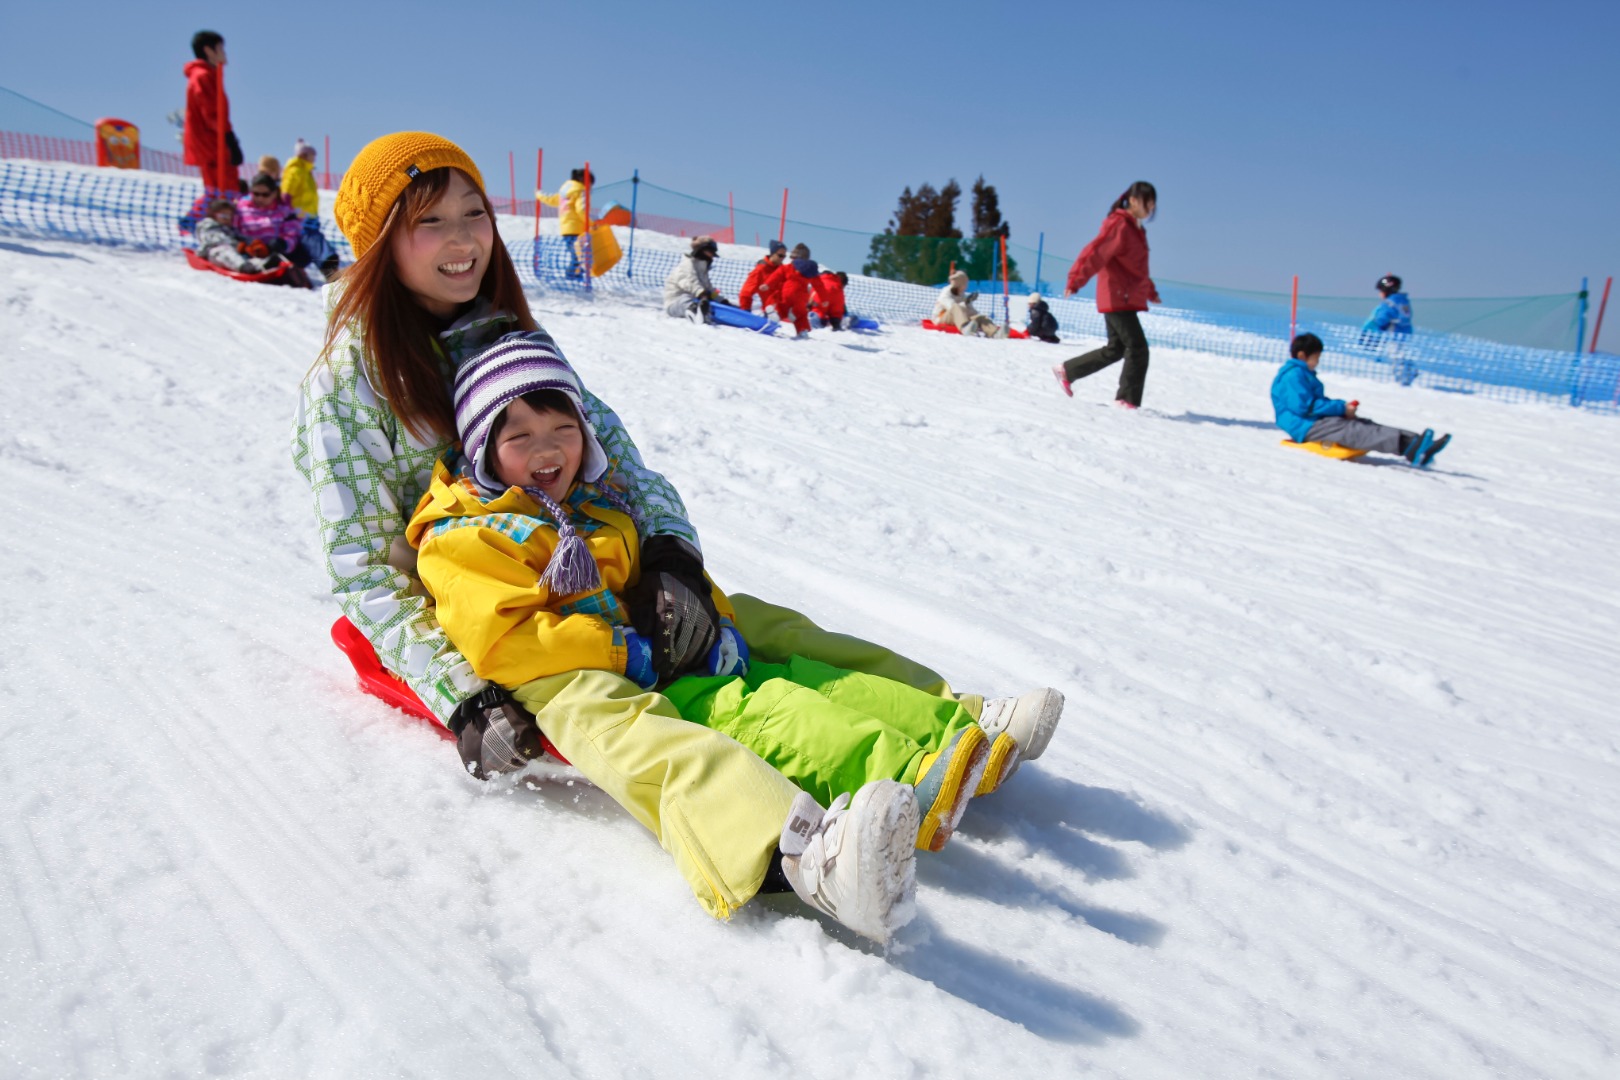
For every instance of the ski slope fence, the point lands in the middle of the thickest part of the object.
(141, 209)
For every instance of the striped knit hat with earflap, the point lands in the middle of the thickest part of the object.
(518, 364)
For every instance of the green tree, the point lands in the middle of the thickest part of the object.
(981, 256)
(922, 240)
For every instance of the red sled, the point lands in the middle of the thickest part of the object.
(930, 324)
(379, 682)
(272, 277)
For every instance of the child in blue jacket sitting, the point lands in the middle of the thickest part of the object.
(1307, 414)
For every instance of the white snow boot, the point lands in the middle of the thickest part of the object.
(1030, 719)
(856, 861)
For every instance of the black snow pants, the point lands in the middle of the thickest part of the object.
(1125, 341)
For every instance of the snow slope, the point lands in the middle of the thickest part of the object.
(1337, 792)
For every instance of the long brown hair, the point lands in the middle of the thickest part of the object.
(400, 357)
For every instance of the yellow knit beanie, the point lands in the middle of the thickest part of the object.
(384, 169)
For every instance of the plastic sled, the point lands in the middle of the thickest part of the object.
(379, 682)
(930, 324)
(614, 214)
(727, 315)
(1332, 450)
(861, 323)
(272, 277)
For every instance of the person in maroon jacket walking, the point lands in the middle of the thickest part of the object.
(1118, 259)
(209, 141)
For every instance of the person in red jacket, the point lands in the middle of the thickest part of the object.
(829, 298)
(210, 143)
(791, 281)
(1118, 259)
(758, 283)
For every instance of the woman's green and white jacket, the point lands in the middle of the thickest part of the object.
(367, 473)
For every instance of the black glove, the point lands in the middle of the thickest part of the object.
(494, 734)
(233, 148)
(672, 606)
(278, 245)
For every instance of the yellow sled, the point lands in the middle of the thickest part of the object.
(605, 252)
(1332, 450)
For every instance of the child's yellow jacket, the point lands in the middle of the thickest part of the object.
(482, 560)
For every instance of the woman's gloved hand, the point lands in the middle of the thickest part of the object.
(671, 606)
(494, 734)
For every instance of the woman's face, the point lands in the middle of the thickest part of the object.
(1141, 208)
(539, 449)
(442, 260)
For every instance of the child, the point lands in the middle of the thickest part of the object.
(210, 144)
(1389, 327)
(688, 292)
(1042, 324)
(571, 223)
(829, 298)
(542, 594)
(269, 166)
(758, 281)
(298, 182)
(791, 282)
(955, 308)
(1309, 415)
(220, 243)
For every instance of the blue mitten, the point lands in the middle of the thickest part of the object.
(638, 665)
(729, 656)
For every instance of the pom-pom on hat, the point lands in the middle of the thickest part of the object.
(382, 171)
(514, 365)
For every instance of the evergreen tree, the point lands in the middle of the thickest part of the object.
(922, 240)
(981, 257)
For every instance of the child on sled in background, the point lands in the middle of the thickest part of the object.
(1307, 414)
(532, 556)
(791, 282)
(220, 243)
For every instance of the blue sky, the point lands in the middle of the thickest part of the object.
(1469, 147)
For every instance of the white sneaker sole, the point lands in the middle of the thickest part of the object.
(1048, 706)
(887, 815)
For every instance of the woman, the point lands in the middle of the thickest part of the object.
(431, 286)
(1118, 259)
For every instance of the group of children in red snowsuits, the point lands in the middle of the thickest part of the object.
(792, 284)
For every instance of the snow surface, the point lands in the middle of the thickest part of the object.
(1337, 792)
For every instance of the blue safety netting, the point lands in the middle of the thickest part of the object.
(141, 209)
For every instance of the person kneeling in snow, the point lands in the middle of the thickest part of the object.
(1042, 324)
(537, 569)
(758, 280)
(220, 243)
(955, 308)
(687, 290)
(828, 303)
(1307, 414)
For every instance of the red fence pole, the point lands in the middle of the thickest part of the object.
(1293, 311)
(1006, 289)
(587, 257)
(1602, 305)
(781, 233)
(540, 159)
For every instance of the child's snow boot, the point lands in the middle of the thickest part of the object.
(1001, 763)
(856, 860)
(1418, 447)
(1029, 719)
(946, 780)
(1434, 450)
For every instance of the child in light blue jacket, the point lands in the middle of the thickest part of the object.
(1307, 414)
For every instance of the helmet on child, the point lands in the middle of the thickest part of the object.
(1389, 283)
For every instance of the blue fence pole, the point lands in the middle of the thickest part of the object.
(1040, 249)
(635, 189)
(1580, 319)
